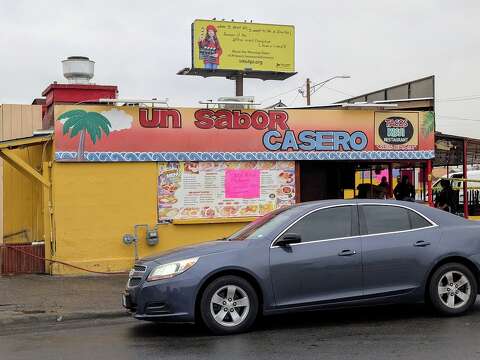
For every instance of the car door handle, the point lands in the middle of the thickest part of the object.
(347, 253)
(421, 243)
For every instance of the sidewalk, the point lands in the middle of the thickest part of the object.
(34, 298)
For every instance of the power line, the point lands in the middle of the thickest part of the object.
(460, 98)
(338, 91)
(294, 99)
(457, 118)
(284, 93)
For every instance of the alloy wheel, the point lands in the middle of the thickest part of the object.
(229, 305)
(454, 289)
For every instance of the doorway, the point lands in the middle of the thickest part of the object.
(321, 180)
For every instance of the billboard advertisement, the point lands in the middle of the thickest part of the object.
(228, 45)
(128, 133)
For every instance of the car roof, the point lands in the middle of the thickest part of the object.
(321, 203)
(439, 217)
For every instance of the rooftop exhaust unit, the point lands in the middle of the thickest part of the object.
(232, 103)
(78, 69)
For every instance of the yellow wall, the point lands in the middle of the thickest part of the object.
(22, 200)
(20, 205)
(95, 204)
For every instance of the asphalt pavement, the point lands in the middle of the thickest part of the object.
(393, 332)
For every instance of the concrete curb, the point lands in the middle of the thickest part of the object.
(17, 318)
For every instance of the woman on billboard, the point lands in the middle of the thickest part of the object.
(209, 47)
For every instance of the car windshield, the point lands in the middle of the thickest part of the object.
(262, 226)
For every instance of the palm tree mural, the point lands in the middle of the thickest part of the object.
(83, 122)
(428, 124)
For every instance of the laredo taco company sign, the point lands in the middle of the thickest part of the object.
(109, 133)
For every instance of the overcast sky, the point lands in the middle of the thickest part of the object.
(140, 45)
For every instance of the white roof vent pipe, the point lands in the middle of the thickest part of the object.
(78, 69)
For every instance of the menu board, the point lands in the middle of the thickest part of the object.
(192, 190)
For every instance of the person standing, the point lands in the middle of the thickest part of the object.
(383, 188)
(445, 199)
(404, 190)
(210, 49)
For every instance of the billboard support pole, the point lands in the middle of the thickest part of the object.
(239, 85)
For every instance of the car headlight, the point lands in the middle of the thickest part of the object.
(172, 269)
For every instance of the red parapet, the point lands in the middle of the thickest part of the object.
(73, 94)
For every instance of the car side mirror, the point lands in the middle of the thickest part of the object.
(288, 239)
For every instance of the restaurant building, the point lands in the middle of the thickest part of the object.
(127, 181)
(114, 180)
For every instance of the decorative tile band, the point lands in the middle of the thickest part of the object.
(244, 156)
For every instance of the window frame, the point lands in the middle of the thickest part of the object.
(355, 230)
(363, 224)
(410, 215)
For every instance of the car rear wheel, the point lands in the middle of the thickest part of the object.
(229, 305)
(453, 289)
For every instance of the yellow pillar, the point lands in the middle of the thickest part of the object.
(47, 211)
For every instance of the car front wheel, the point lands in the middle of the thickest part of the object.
(453, 289)
(229, 305)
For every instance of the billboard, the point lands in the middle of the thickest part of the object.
(228, 45)
(128, 133)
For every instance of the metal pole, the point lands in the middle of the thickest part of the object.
(429, 182)
(239, 85)
(414, 180)
(371, 183)
(308, 91)
(423, 193)
(465, 176)
(390, 180)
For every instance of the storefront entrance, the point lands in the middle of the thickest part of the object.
(320, 180)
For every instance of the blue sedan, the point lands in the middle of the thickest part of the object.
(310, 256)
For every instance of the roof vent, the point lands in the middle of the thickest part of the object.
(236, 102)
(78, 69)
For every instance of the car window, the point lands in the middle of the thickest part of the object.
(383, 219)
(417, 221)
(331, 223)
(263, 225)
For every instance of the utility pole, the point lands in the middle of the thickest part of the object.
(308, 91)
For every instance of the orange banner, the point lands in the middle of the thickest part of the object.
(111, 133)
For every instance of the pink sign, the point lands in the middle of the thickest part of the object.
(242, 184)
(382, 173)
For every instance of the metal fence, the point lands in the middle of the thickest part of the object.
(22, 258)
